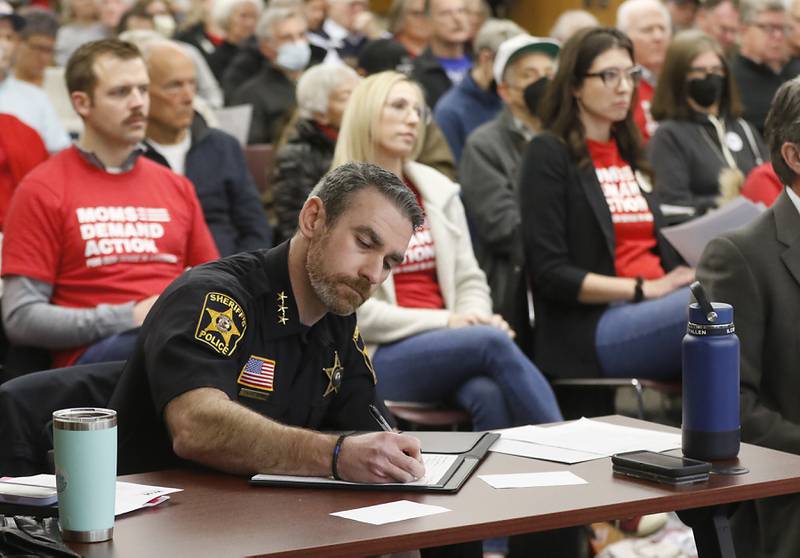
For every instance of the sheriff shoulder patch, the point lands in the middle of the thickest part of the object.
(222, 323)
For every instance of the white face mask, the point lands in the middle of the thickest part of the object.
(164, 25)
(294, 56)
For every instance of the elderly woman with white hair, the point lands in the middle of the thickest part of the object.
(237, 19)
(306, 149)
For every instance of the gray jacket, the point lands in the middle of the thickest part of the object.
(487, 172)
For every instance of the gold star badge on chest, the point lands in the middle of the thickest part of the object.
(334, 374)
(282, 308)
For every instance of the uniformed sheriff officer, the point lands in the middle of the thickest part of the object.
(238, 354)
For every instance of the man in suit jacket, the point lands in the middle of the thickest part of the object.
(757, 270)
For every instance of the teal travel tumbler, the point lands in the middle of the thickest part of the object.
(85, 443)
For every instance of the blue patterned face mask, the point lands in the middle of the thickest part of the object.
(294, 56)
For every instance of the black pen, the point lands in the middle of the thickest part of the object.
(376, 414)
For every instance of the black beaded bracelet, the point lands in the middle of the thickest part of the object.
(336, 449)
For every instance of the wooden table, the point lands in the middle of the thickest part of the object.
(221, 515)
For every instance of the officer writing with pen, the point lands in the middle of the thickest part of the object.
(243, 362)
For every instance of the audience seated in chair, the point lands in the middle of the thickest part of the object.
(648, 24)
(474, 101)
(763, 62)
(347, 28)
(94, 235)
(446, 61)
(720, 19)
(281, 33)
(409, 25)
(702, 150)
(36, 48)
(756, 269)
(236, 22)
(430, 325)
(25, 101)
(488, 175)
(80, 24)
(21, 150)
(609, 296)
(381, 55)
(305, 156)
(179, 138)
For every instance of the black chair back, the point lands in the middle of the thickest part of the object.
(27, 404)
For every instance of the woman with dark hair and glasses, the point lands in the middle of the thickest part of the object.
(609, 297)
(702, 147)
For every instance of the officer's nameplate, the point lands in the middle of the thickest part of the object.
(222, 323)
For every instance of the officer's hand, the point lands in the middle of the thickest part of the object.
(141, 308)
(380, 457)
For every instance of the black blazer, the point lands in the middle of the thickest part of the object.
(567, 233)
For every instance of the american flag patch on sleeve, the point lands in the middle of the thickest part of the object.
(258, 373)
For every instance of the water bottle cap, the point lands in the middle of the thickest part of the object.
(723, 311)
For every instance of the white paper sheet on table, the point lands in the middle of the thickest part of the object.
(538, 451)
(129, 497)
(528, 480)
(593, 439)
(390, 512)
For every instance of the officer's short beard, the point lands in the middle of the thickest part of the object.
(330, 287)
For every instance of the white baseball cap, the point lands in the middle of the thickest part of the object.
(513, 47)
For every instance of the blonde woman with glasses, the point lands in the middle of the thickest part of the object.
(430, 326)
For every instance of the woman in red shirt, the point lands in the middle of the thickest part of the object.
(431, 320)
(609, 297)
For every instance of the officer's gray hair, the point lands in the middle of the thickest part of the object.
(338, 185)
(781, 127)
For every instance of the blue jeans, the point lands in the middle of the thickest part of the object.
(114, 347)
(643, 340)
(478, 367)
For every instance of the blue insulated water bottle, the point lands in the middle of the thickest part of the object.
(710, 381)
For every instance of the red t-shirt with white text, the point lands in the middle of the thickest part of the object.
(416, 284)
(101, 238)
(633, 221)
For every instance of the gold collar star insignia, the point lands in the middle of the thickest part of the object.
(222, 323)
(334, 374)
(282, 308)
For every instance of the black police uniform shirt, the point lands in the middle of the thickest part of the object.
(233, 325)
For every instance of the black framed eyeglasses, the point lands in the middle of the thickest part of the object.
(613, 76)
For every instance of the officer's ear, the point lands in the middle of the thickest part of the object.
(312, 218)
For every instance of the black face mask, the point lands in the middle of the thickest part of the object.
(707, 91)
(534, 93)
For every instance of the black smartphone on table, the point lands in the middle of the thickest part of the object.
(660, 467)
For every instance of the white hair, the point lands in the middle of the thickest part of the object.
(271, 17)
(627, 10)
(571, 21)
(494, 32)
(221, 10)
(315, 86)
